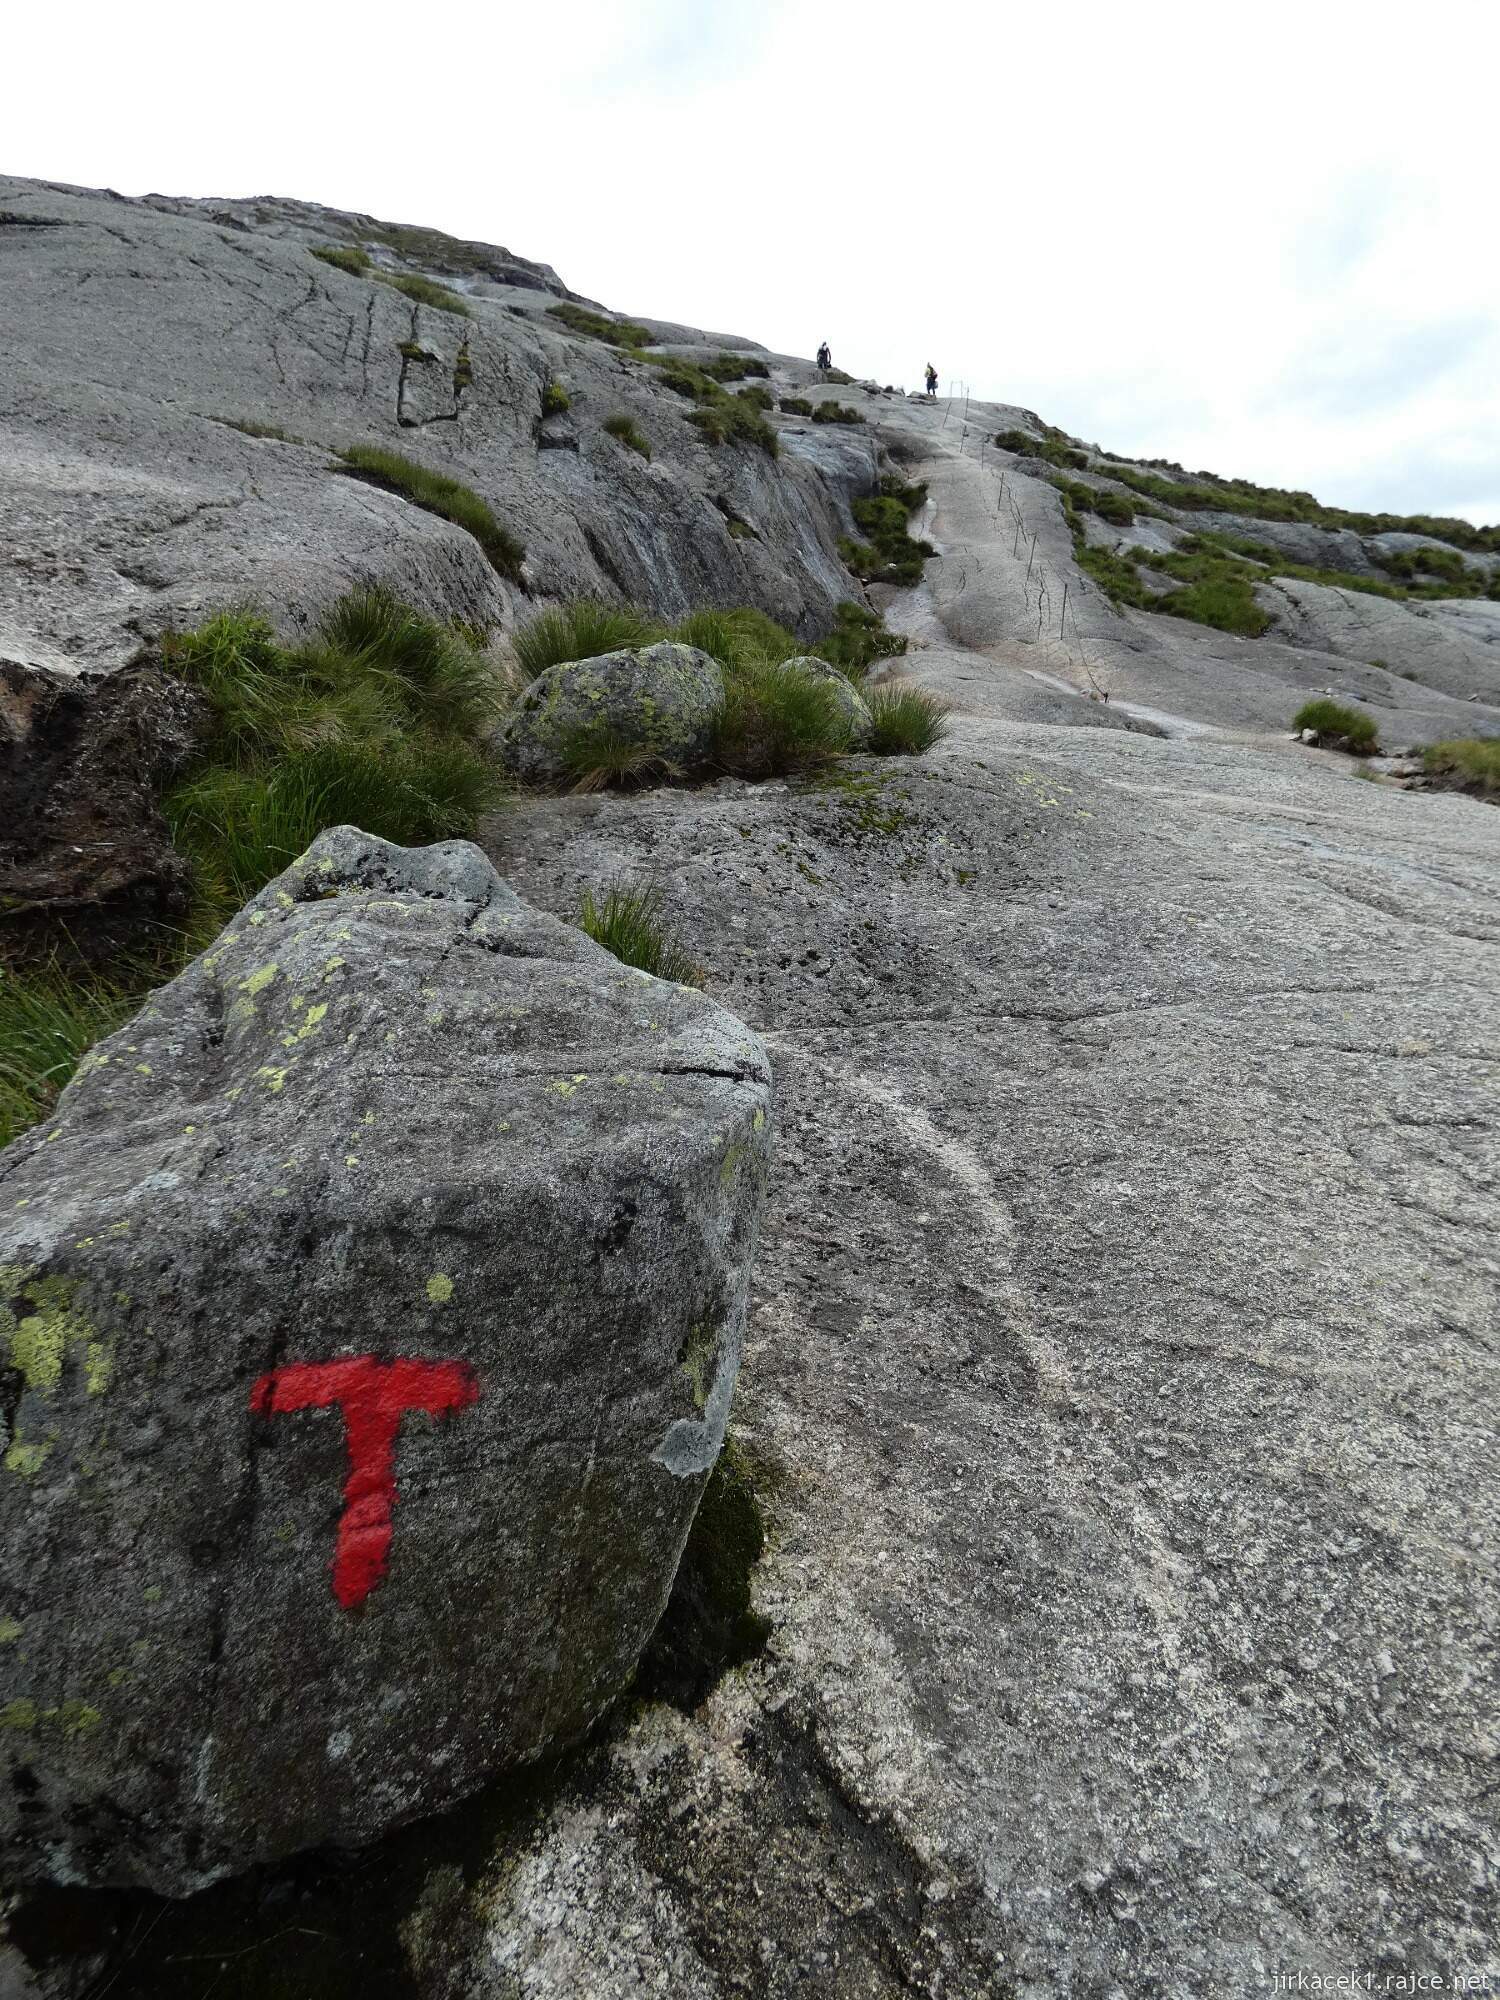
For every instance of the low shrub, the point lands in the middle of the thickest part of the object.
(555, 399)
(439, 494)
(629, 923)
(1469, 763)
(50, 1019)
(594, 326)
(1339, 725)
(835, 413)
(858, 639)
(1219, 589)
(343, 257)
(628, 432)
(775, 719)
(581, 630)
(905, 721)
(756, 397)
(795, 406)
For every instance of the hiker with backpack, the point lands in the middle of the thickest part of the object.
(931, 383)
(825, 358)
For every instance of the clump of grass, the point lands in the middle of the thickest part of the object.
(776, 718)
(756, 397)
(629, 432)
(424, 292)
(905, 721)
(890, 555)
(1338, 725)
(859, 638)
(555, 399)
(629, 923)
(594, 326)
(1115, 575)
(248, 427)
(835, 413)
(439, 494)
(600, 756)
(1469, 763)
(795, 406)
(731, 637)
(50, 1019)
(373, 722)
(735, 367)
(728, 420)
(581, 630)
(343, 257)
(1052, 449)
(1225, 601)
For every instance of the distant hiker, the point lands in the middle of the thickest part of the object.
(825, 357)
(931, 383)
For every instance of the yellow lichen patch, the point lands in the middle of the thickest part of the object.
(143, 1069)
(351, 1159)
(73, 1718)
(274, 1079)
(257, 918)
(40, 1340)
(439, 1288)
(27, 1460)
(19, 1715)
(10, 1631)
(259, 980)
(759, 1120)
(98, 1367)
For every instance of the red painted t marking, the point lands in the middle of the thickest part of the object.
(373, 1396)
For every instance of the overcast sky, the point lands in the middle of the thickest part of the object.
(1260, 240)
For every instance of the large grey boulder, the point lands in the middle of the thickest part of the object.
(401, 1189)
(661, 698)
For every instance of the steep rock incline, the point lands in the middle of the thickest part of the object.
(1124, 1328)
(137, 336)
(1000, 593)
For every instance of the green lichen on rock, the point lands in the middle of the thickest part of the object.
(40, 1340)
(661, 699)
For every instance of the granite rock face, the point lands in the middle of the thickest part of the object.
(372, 1306)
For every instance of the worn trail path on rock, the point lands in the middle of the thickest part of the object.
(1125, 1328)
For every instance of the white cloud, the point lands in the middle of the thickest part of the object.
(1260, 241)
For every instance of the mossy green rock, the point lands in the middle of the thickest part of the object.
(392, 1115)
(660, 698)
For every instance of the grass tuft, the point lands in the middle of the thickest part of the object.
(581, 631)
(424, 292)
(1339, 725)
(775, 719)
(344, 257)
(1470, 763)
(595, 326)
(835, 413)
(905, 721)
(555, 399)
(629, 923)
(50, 1019)
(625, 428)
(439, 494)
(858, 639)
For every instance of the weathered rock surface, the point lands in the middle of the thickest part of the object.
(661, 699)
(402, 1188)
(137, 335)
(83, 849)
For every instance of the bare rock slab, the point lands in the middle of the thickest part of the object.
(369, 1317)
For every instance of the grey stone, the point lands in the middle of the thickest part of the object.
(851, 702)
(393, 1120)
(663, 698)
